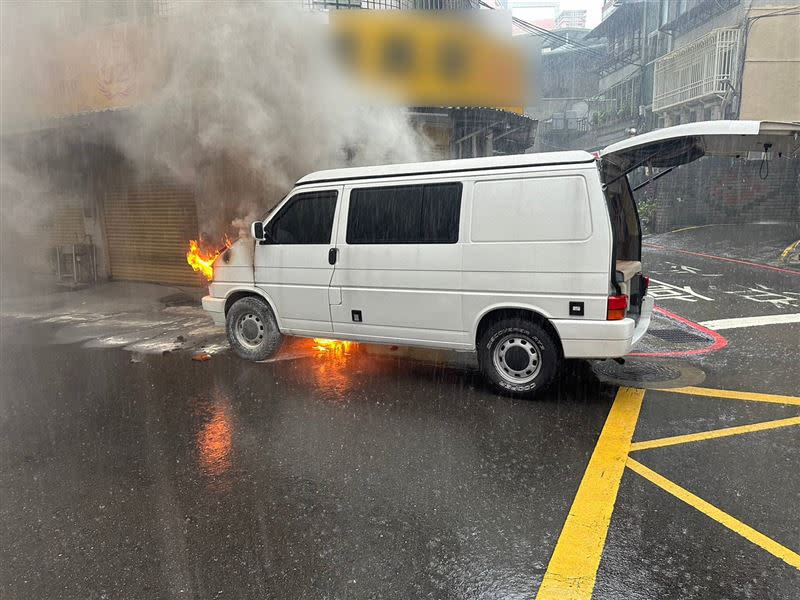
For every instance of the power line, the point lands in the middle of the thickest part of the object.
(535, 28)
(541, 32)
(565, 41)
(551, 35)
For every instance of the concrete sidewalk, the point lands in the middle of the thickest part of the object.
(104, 298)
(142, 318)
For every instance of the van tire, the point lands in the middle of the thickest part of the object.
(252, 329)
(527, 361)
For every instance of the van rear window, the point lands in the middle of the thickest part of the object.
(405, 214)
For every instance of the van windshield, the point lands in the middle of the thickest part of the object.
(624, 217)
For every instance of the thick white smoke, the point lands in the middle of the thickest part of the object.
(254, 100)
(251, 99)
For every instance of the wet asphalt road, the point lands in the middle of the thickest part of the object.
(364, 476)
(345, 477)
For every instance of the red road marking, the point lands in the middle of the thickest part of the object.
(725, 259)
(719, 341)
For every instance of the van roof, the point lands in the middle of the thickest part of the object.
(449, 166)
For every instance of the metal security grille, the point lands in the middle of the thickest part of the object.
(702, 69)
(148, 227)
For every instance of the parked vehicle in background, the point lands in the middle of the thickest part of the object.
(526, 259)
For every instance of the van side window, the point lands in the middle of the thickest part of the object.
(405, 214)
(306, 219)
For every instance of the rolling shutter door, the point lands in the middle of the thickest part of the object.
(148, 227)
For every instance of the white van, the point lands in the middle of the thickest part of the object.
(528, 259)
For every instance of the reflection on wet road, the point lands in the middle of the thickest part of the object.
(215, 435)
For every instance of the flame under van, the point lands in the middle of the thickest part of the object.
(526, 259)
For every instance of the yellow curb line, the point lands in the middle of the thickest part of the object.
(759, 539)
(573, 566)
(714, 433)
(734, 395)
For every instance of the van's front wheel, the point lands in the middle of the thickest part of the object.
(252, 329)
(518, 356)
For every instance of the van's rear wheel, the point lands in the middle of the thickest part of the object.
(252, 329)
(518, 356)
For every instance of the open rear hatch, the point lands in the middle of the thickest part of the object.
(669, 148)
(674, 146)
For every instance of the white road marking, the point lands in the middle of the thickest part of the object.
(738, 322)
(661, 290)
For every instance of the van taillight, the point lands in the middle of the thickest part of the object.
(616, 307)
(646, 284)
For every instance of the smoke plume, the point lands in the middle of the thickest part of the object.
(253, 100)
(248, 99)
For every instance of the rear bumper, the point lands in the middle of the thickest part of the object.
(216, 308)
(603, 339)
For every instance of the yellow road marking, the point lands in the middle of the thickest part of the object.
(573, 566)
(734, 395)
(714, 433)
(759, 539)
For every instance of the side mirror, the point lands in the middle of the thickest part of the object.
(257, 230)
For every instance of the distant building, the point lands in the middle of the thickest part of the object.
(571, 19)
(622, 70)
(568, 101)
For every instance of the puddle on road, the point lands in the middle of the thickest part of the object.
(175, 328)
(648, 373)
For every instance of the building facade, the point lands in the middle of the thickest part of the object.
(677, 61)
(728, 59)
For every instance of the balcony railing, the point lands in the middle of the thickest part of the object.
(703, 68)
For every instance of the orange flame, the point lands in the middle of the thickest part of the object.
(202, 260)
(333, 346)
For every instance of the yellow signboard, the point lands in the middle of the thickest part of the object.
(430, 60)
